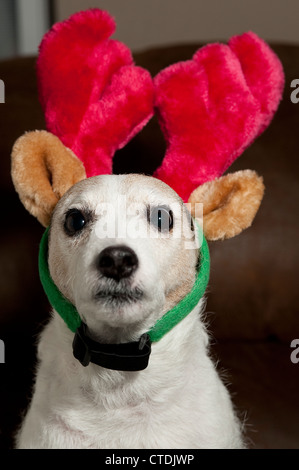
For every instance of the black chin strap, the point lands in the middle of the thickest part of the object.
(127, 356)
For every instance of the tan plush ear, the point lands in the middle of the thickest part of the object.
(230, 203)
(43, 169)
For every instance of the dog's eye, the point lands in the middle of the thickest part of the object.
(74, 221)
(161, 217)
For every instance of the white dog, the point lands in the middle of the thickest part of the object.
(121, 287)
(124, 361)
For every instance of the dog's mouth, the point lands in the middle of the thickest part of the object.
(119, 295)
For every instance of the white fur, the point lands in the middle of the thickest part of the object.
(179, 401)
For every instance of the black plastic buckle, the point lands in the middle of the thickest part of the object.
(126, 356)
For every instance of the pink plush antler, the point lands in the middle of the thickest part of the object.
(212, 107)
(93, 96)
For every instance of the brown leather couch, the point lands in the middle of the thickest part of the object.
(253, 294)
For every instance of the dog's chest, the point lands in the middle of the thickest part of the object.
(148, 424)
(177, 402)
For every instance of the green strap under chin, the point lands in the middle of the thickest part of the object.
(65, 309)
(71, 317)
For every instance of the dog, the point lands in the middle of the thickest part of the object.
(179, 400)
(124, 361)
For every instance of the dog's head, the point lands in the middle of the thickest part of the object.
(122, 250)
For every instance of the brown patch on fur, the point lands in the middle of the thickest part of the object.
(43, 169)
(177, 294)
(230, 203)
(183, 274)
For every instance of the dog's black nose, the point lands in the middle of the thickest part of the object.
(117, 262)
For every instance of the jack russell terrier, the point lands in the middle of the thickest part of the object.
(124, 360)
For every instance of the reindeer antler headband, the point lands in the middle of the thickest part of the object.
(95, 100)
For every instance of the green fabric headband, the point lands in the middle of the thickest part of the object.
(71, 317)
